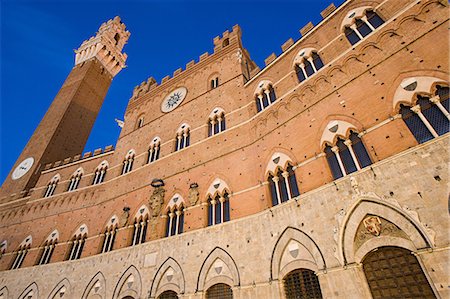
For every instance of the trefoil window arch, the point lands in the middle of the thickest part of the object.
(78, 240)
(75, 179)
(100, 172)
(154, 149)
(48, 248)
(264, 95)
(175, 216)
(218, 200)
(51, 186)
(183, 139)
(359, 23)
(128, 162)
(281, 178)
(140, 226)
(21, 253)
(307, 63)
(216, 122)
(110, 234)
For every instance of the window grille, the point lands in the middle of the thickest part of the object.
(219, 291)
(47, 252)
(168, 295)
(302, 284)
(394, 272)
(20, 256)
(77, 247)
(218, 209)
(139, 231)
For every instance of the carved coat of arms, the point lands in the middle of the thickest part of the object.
(373, 225)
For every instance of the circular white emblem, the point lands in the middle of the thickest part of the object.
(173, 99)
(23, 168)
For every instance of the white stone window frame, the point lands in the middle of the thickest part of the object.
(51, 186)
(424, 86)
(340, 129)
(174, 209)
(216, 116)
(140, 224)
(358, 14)
(262, 90)
(306, 54)
(48, 247)
(111, 230)
(75, 179)
(128, 161)
(100, 172)
(182, 136)
(280, 162)
(78, 240)
(154, 150)
(218, 188)
(21, 252)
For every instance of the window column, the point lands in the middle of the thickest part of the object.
(221, 200)
(437, 101)
(301, 67)
(348, 143)
(312, 64)
(355, 29)
(285, 175)
(261, 102)
(178, 213)
(171, 215)
(335, 150)
(416, 109)
(364, 19)
(275, 179)
(213, 211)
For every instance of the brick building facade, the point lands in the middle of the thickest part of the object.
(323, 174)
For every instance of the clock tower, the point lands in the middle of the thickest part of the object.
(65, 128)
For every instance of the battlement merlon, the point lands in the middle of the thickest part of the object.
(106, 46)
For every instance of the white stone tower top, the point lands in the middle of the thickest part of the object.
(106, 46)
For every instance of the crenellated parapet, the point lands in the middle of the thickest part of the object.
(106, 46)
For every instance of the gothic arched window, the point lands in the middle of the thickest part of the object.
(283, 185)
(183, 137)
(218, 208)
(75, 179)
(77, 243)
(175, 221)
(110, 234)
(51, 186)
(21, 252)
(216, 122)
(302, 283)
(128, 162)
(140, 226)
(360, 23)
(264, 95)
(48, 247)
(154, 149)
(100, 172)
(307, 62)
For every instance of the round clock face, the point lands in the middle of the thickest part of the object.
(173, 99)
(23, 168)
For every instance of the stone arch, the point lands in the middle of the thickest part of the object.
(217, 186)
(32, 290)
(176, 201)
(163, 280)
(129, 284)
(308, 256)
(218, 254)
(63, 288)
(278, 160)
(408, 222)
(4, 294)
(96, 287)
(354, 14)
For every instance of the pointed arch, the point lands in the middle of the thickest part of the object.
(4, 294)
(297, 235)
(163, 283)
(97, 286)
(31, 292)
(365, 205)
(225, 257)
(218, 186)
(62, 288)
(334, 129)
(278, 160)
(142, 213)
(129, 284)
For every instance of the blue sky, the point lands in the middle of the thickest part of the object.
(38, 37)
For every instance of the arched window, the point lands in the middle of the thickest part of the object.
(75, 179)
(264, 95)
(128, 162)
(429, 118)
(219, 291)
(140, 122)
(48, 248)
(360, 23)
(307, 62)
(183, 137)
(77, 243)
(100, 172)
(168, 295)
(283, 185)
(175, 215)
(218, 199)
(153, 151)
(214, 82)
(110, 234)
(347, 155)
(140, 226)
(21, 252)
(51, 186)
(302, 283)
(402, 275)
(216, 122)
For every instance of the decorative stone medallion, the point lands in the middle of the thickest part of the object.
(22, 168)
(173, 100)
(373, 225)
